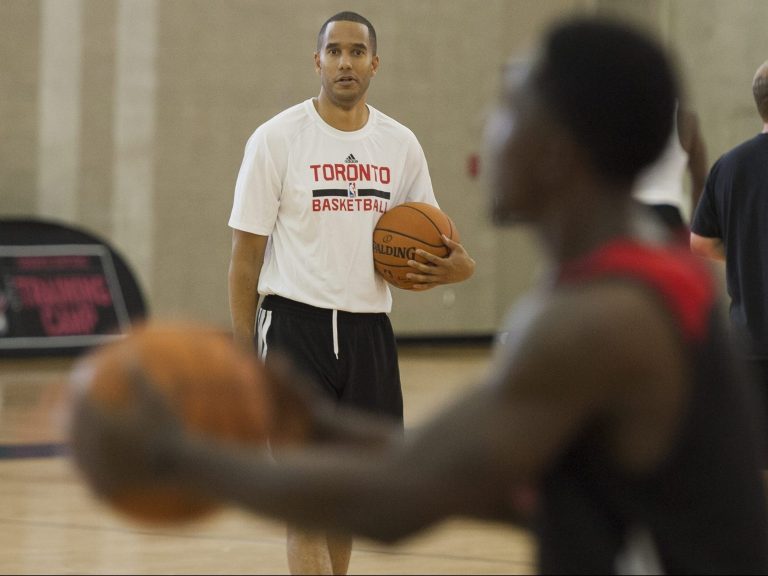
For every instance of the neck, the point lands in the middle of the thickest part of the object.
(586, 222)
(347, 119)
(765, 128)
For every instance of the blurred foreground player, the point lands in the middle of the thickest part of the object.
(616, 394)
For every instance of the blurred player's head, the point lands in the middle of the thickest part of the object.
(592, 109)
(760, 90)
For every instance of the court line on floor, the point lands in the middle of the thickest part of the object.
(41, 450)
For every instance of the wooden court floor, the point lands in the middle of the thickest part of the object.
(50, 524)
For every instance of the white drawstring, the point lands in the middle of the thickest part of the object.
(336, 333)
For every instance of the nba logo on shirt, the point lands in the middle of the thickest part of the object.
(351, 190)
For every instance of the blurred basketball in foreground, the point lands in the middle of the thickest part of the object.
(212, 387)
(404, 229)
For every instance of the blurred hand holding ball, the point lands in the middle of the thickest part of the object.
(208, 385)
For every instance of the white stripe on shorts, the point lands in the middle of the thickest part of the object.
(335, 322)
(263, 322)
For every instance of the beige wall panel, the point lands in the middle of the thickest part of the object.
(19, 59)
(133, 217)
(97, 134)
(162, 124)
(720, 45)
(223, 69)
(644, 13)
(59, 84)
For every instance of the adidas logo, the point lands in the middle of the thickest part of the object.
(351, 159)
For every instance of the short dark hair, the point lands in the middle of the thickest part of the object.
(760, 91)
(613, 88)
(348, 17)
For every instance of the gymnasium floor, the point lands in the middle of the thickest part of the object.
(49, 524)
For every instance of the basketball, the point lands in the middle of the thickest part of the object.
(401, 231)
(212, 387)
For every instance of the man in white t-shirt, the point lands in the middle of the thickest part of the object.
(313, 183)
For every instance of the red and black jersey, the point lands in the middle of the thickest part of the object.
(703, 510)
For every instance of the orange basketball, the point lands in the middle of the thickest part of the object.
(403, 229)
(213, 387)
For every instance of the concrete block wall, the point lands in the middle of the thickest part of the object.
(128, 118)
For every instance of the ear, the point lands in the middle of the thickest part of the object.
(317, 63)
(559, 157)
(570, 163)
(374, 65)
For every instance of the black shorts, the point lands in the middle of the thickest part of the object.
(351, 357)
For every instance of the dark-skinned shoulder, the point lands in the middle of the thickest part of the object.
(606, 348)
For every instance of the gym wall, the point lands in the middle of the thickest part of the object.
(128, 118)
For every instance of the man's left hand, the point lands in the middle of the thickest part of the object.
(456, 267)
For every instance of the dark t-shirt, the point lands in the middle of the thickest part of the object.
(734, 208)
(702, 510)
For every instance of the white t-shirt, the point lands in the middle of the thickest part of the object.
(662, 181)
(318, 192)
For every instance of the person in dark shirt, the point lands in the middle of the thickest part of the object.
(616, 397)
(730, 226)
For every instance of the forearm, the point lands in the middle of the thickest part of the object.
(333, 490)
(697, 188)
(693, 143)
(244, 270)
(243, 301)
(705, 247)
(385, 493)
(698, 181)
(351, 428)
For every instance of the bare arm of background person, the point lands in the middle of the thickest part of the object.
(711, 248)
(693, 143)
(244, 270)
